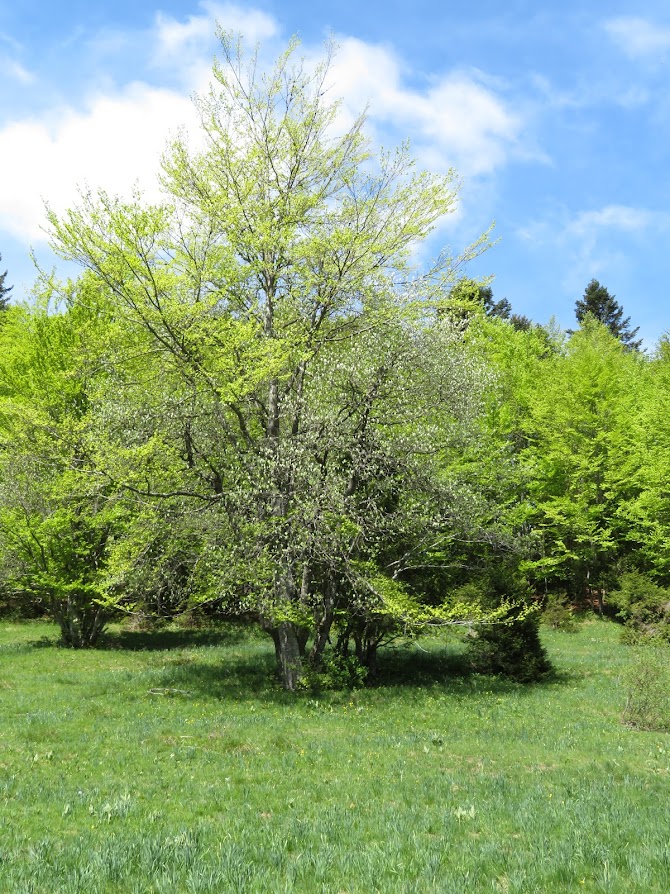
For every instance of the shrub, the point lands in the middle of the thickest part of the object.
(557, 613)
(511, 648)
(648, 689)
(643, 606)
(335, 672)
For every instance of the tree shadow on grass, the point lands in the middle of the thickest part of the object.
(28, 645)
(246, 667)
(249, 672)
(165, 639)
(248, 675)
(448, 668)
(161, 640)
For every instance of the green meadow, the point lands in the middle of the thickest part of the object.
(174, 762)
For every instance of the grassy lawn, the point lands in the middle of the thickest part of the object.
(174, 763)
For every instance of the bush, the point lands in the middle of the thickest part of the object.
(644, 608)
(511, 648)
(557, 613)
(335, 672)
(648, 689)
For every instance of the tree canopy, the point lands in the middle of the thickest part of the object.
(275, 386)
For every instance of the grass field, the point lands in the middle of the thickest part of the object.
(174, 763)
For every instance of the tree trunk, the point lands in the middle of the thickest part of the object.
(323, 626)
(288, 651)
(303, 635)
(371, 664)
(289, 642)
(80, 626)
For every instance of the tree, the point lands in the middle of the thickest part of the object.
(646, 464)
(580, 405)
(468, 296)
(57, 516)
(4, 290)
(278, 374)
(598, 303)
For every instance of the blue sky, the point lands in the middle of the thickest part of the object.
(556, 116)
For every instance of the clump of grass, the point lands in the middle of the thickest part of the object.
(648, 688)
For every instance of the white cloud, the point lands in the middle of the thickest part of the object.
(116, 140)
(624, 218)
(638, 37)
(456, 121)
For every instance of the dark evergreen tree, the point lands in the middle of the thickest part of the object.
(502, 309)
(469, 292)
(4, 290)
(597, 302)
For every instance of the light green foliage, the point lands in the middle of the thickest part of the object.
(276, 377)
(581, 428)
(57, 515)
(647, 467)
(576, 442)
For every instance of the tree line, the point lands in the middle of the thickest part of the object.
(252, 400)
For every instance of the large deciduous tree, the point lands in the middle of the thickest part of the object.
(277, 373)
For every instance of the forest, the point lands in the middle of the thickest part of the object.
(258, 400)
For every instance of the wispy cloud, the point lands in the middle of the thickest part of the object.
(13, 69)
(588, 94)
(623, 218)
(639, 38)
(596, 242)
(174, 37)
(619, 218)
(187, 45)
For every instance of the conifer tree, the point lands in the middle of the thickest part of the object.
(4, 290)
(598, 302)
